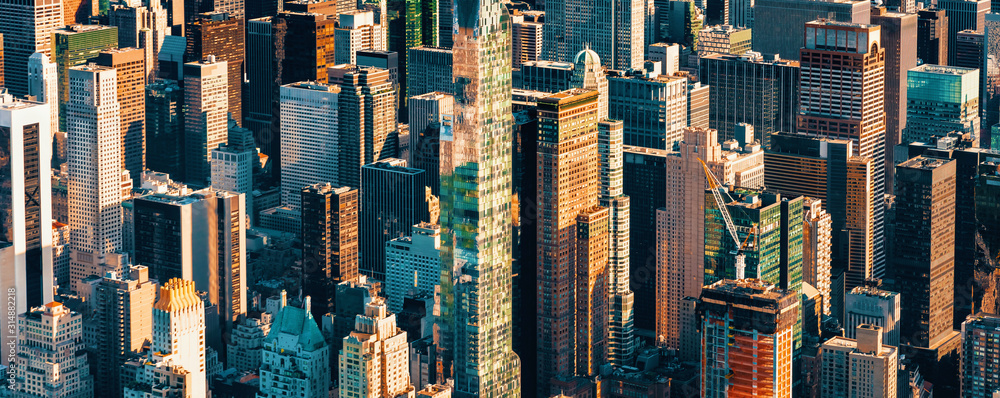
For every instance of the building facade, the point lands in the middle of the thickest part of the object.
(329, 242)
(51, 355)
(393, 198)
(864, 366)
(206, 101)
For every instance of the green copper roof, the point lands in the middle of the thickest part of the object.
(295, 327)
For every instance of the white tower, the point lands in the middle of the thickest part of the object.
(43, 84)
(206, 97)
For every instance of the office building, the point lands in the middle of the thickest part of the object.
(963, 15)
(870, 305)
(142, 27)
(429, 113)
(723, 39)
(614, 30)
(979, 370)
(411, 264)
(817, 232)
(859, 118)
(751, 89)
(222, 35)
(393, 198)
(679, 22)
(77, 45)
(199, 237)
(246, 344)
(26, 203)
(205, 118)
(967, 49)
(567, 200)
(51, 355)
(725, 324)
(60, 253)
(175, 364)
(165, 128)
(43, 85)
(233, 164)
(383, 357)
(547, 76)
(296, 357)
(367, 118)
(27, 28)
(329, 242)
(898, 31)
(864, 366)
(646, 188)
(924, 273)
(653, 107)
(312, 149)
(428, 69)
(940, 100)
(527, 40)
(989, 78)
(473, 233)
(932, 36)
(95, 173)
(122, 304)
(388, 60)
(680, 250)
(357, 31)
(779, 25)
(131, 67)
(621, 300)
(588, 74)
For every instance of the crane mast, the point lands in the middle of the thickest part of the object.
(714, 185)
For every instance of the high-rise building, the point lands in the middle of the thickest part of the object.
(27, 28)
(199, 237)
(176, 362)
(898, 31)
(962, 15)
(679, 22)
(547, 76)
(43, 85)
(967, 49)
(25, 206)
(588, 74)
(246, 344)
(780, 25)
(429, 113)
(932, 36)
(222, 35)
(367, 118)
(653, 107)
(567, 198)
(750, 89)
(989, 79)
(613, 29)
(527, 40)
(429, 69)
(863, 366)
(312, 148)
(816, 249)
(723, 39)
(131, 67)
(645, 186)
(680, 252)
(233, 164)
(388, 60)
(383, 357)
(726, 324)
(860, 116)
(165, 128)
(357, 31)
(940, 100)
(870, 305)
(393, 198)
(979, 370)
(621, 300)
(296, 360)
(924, 249)
(142, 27)
(77, 45)
(206, 103)
(329, 242)
(411, 263)
(95, 172)
(476, 235)
(122, 304)
(51, 355)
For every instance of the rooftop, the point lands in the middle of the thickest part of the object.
(923, 163)
(944, 69)
(871, 291)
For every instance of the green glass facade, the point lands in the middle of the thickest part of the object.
(939, 100)
(74, 46)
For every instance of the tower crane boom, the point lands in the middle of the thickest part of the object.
(714, 185)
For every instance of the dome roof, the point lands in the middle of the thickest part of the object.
(587, 57)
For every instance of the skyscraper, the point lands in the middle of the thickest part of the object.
(295, 343)
(27, 28)
(527, 38)
(383, 357)
(357, 31)
(932, 36)
(367, 115)
(142, 27)
(25, 202)
(979, 370)
(898, 31)
(645, 186)
(43, 84)
(967, 49)
(764, 320)
(613, 29)
(816, 253)
(233, 164)
(989, 79)
(428, 69)
(589, 74)
(621, 323)
(941, 100)
(860, 117)
(653, 107)
(723, 39)
(95, 172)
(329, 242)
(924, 249)
(567, 189)
(779, 25)
(205, 123)
(750, 89)
(412, 262)
(123, 321)
(51, 337)
(222, 35)
(429, 113)
(312, 148)
(165, 128)
(131, 66)
(476, 236)
(863, 366)
(77, 45)
(962, 15)
(393, 198)
(870, 305)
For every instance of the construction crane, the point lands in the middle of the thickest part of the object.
(715, 186)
